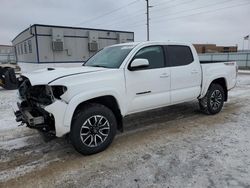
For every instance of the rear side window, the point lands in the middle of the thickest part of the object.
(179, 55)
(154, 55)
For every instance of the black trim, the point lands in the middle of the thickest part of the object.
(45, 35)
(44, 62)
(69, 36)
(144, 92)
(168, 64)
(131, 39)
(165, 56)
(77, 36)
(37, 51)
(207, 62)
(10, 54)
(27, 62)
(71, 75)
(82, 28)
(67, 27)
(72, 36)
(107, 38)
(20, 33)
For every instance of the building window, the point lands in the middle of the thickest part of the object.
(21, 48)
(25, 47)
(29, 46)
(17, 49)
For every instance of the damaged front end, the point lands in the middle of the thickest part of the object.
(32, 104)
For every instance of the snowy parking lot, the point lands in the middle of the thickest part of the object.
(175, 146)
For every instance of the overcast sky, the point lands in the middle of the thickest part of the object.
(224, 22)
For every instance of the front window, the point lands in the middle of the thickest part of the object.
(110, 57)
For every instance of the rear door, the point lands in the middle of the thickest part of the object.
(185, 73)
(149, 87)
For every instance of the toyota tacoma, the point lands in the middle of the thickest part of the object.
(88, 103)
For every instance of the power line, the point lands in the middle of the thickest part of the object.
(126, 19)
(108, 13)
(197, 8)
(205, 12)
(169, 1)
(137, 22)
(134, 15)
(175, 5)
(139, 12)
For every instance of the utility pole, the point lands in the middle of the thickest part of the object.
(147, 20)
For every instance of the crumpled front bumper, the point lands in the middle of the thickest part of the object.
(58, 109)
(49, 119)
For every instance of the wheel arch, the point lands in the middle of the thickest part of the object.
(222, 81)
(107, 100)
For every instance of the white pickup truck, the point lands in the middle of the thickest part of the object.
(88, 103)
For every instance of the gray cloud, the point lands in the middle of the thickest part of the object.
(170, 20)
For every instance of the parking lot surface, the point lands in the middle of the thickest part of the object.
(176, 146)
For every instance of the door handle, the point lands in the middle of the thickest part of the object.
(164, 75)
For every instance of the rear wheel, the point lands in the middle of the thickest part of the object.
(213, 101)
(93, 129)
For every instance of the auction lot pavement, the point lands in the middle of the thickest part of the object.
(176, 146)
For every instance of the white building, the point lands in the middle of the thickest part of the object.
(41, 46)
(7, 54)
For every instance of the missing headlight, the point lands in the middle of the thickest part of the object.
(58, 91)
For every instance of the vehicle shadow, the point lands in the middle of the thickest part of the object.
(161, 115)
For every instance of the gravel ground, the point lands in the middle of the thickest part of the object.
(171, 147)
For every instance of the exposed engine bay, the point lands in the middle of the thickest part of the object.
(33, 99)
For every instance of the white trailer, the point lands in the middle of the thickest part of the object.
(43, 46)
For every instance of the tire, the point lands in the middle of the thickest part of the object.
(213, 101)
(9, 80)
(12, 75)
(93, 129)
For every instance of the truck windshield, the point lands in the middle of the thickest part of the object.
(110, 57)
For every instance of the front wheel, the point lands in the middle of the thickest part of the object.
(93, 129)
(213, 101)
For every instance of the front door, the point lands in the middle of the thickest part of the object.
(149, 87)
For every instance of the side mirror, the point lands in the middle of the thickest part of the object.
(138, 64)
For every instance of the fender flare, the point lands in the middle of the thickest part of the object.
(208, 83)
(80, 98)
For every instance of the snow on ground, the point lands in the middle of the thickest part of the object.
(7, 98)
(171, 147)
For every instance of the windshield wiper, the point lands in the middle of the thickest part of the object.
(98, 66)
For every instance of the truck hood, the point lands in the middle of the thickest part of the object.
(47, 76)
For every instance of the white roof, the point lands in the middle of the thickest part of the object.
(154, 43)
